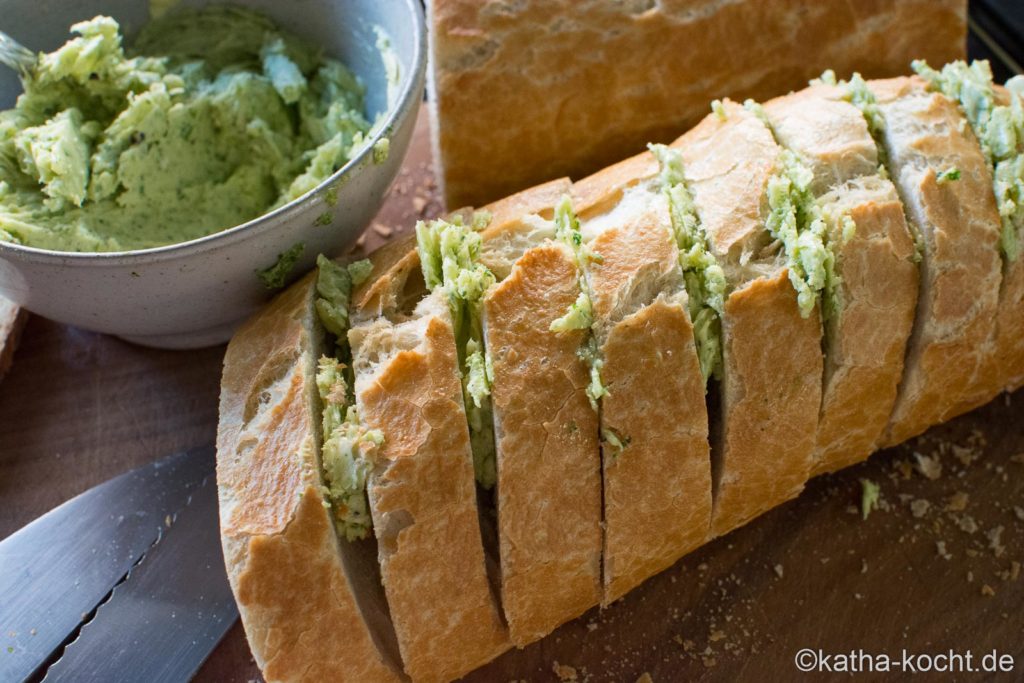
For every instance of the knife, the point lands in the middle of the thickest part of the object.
(124, 582)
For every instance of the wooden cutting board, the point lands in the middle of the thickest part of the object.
(935, 568)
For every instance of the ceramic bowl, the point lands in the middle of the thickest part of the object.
(197, 293)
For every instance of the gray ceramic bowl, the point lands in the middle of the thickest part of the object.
(196, 293)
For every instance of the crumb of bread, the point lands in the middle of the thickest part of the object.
(928, 465)
(988, 590)
(966, 523)
(779, 570)
(382, 230)
(565, 673)
(940, 547)
(957, 502)
(995, 542)
(1019, 512)
(919, 507)
(645, 678)
(1019, 458)
(970, 577)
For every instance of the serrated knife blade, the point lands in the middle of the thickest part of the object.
(55, 571)
(168, 614)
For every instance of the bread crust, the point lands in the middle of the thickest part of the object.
(280, 546)
(557, 114)
(865, 344)
(960, 270)
(865, 338)
(657, 490)
(423, 495)
(549, 482)
(770, 399)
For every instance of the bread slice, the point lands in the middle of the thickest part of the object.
(870, 311)
(656, 462)
(926, 141)
(770, 392)
(543, 88)
(422, 493)
(307, 617)
(996, 116)
(548, 494)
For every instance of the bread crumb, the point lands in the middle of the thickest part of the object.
(995, 543)
(1019, 512)
(929, 466)
(919, 508)
(1019, 458)
(940, 546)
(564, 673)
(988, 590)
(709, 662)
(419, 203)
(970, 577)
(645, 678)
(779, 570)
(957, 502)
(716, 636)
(382, 230)
(966, 523)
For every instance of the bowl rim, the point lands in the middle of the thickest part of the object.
(410, 88)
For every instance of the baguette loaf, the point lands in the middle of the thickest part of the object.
(770, 233)
(599, 80)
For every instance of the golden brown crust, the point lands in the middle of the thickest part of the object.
(826, 132)
(865, 344)
(728, 163)
(549, 486)
(960, 270)
(423, 500)
(770, 398)
(650, 71)
(1010, 326)
(539, 199)
(279, 542)
(657, 491)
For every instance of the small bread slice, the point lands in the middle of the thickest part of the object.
(656, 460)
(927, 142)
(548, 493)
(869, 315)
(298, 603)
(422, 492)
(770, 392)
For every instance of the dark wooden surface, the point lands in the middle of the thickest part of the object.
(77, 408)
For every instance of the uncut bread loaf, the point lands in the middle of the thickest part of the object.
(599, 80)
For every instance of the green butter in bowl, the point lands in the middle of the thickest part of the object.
(176, 137)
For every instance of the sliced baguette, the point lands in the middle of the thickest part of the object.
(298, 602)
(422, 492)
(925, 136)
(656, 461)
(772, 362)
(872, 307)
(548, 493)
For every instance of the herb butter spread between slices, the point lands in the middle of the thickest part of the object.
(857, 93)
(211, 118)
(704, 277)
(1000, 130)
(580, 315)
(795, 219)
(349, 448)
(449, 253)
